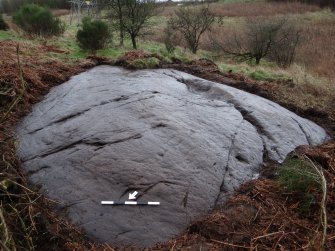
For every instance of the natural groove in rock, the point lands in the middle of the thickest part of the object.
(226, 167)
(77, 114)
(303, 130)
(86, 143)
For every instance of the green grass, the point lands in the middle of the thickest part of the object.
(4, 35)
(10, 35)
(112, 52)
(239, 1)
(298, 177)
(158, 20)
(312, 17)
(265, 72)
(180, 53)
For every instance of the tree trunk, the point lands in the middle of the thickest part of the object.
(121, 35)
(133, 40)
(120, 23)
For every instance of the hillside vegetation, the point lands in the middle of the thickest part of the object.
(323, 3)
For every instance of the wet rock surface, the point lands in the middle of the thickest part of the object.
(175, 138)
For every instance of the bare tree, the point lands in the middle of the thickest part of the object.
(287, 41)
(133, 16)
(192, 22)
(275, 39)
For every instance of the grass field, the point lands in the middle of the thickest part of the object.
(316, 51)
(312, 74)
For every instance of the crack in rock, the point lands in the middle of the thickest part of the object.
(80, 113)
(303, 130)
(32, 172)
(97, 145)
(226, 167)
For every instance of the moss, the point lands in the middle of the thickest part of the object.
(146, 63)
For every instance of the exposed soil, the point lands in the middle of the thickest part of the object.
(261, 216)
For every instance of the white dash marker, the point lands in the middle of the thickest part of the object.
(154, 203)
(104, 202)
(130, 202)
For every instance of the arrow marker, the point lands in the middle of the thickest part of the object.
(132, 196)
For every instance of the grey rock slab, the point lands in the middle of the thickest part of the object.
(175, 138)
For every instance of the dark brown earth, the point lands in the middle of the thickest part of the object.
(260, 216)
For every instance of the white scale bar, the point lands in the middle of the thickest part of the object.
(149, 203)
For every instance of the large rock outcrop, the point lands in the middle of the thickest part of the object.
(177, 139)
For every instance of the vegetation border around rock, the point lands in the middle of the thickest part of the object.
(27, 218)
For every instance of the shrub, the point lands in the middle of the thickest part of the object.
(170, 38)
(38, 20)
(93, 35)
(3, 25)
